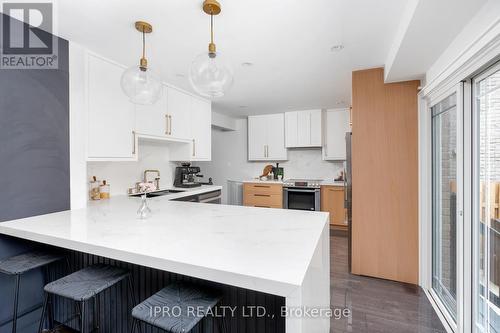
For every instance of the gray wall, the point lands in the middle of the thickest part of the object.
(34, 166)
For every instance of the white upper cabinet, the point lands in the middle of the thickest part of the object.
(266, 138)
(303, 128)
(152, 119)
(291, 129)
(179, 114)
(111, 117)
(201, 120)
(115, 125)
(336, 125)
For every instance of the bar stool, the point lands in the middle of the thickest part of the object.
(83, 285)
(180, 296)
(23, 263)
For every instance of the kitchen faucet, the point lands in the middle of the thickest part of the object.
(157, 179)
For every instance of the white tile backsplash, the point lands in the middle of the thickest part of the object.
(122, 175)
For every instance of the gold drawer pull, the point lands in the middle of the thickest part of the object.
(262, 195)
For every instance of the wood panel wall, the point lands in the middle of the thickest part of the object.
(385, 177)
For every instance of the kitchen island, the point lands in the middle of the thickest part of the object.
(283, 253)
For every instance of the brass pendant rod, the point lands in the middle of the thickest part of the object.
(211, 28)
(143, 44)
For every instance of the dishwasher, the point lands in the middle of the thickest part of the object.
(214, 197)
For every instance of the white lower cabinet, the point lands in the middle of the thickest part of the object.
(266, 138)
(111, 117)
(336, 124)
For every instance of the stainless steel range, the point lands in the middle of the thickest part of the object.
(302, 194)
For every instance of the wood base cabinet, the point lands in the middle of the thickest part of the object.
(263, 195)
(332, 201)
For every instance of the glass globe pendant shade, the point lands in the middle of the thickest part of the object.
(210, 76)
(141, 85)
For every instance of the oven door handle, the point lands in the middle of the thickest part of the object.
(301, 190)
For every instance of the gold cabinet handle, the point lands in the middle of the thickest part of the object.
(194, 148)
(170, 125)
(166, 124)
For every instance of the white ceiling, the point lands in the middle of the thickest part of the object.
(426, 29)
(288, 42)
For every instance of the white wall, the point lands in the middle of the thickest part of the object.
(122, 175)
(230, 160)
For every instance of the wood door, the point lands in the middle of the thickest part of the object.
(384, 177)
(332, 201)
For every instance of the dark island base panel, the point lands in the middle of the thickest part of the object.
(116, 306)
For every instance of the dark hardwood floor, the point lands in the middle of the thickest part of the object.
(376, 305)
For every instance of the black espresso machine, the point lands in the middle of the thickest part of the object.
(188, 176)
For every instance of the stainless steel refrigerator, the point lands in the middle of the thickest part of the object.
(348, 192)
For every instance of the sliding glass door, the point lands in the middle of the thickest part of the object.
(486, 219)
(444, 203)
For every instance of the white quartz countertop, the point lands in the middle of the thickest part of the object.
(263, 181)
(332, 183)
(323, 182)
(268, 250)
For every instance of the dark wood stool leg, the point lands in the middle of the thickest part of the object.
(44, 309)
(16, 301)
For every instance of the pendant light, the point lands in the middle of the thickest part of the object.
(209, 75)
(141, 84)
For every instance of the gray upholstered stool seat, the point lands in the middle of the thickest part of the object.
(25, 262)
(179, 297)
(83, 285)
(86, 283)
